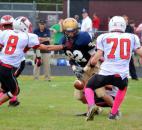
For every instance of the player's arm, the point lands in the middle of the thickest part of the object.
(50, 47)
(139, 51)
(99, 54)
(96, 57)
(20, 69)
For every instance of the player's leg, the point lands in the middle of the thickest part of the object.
(17, 71)
(95, 82)
(9, 84)
(79, 93)
(122, 85)
(101, 93)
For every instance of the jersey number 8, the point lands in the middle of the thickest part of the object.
(11, 45)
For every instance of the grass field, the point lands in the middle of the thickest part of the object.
(51, 106)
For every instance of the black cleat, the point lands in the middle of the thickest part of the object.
(14, 103)
(114, 116)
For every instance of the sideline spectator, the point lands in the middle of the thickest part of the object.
(76, 17)
(57, 34)
(139, 31)
(86, 25)
(44, 37)
(95, 22)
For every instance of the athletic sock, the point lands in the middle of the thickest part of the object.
(118, 100)
(14, 98)
(89, 94)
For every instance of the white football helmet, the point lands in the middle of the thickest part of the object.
(117, 23)
(6, 19)
(23, 24)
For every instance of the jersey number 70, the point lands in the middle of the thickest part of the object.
(125, 45)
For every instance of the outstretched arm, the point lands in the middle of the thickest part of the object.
(50, 47)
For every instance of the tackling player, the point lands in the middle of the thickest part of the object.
(116, 47)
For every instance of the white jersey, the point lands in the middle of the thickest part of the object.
(86, 25)
(117, 48)
(14, 44)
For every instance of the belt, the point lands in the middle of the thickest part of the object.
(6, 65)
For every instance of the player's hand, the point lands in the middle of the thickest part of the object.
(79, 72)
(38, 61)
(67, 45)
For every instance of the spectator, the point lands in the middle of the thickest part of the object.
(133, 25)
(57, 34)
(95, 22)
(76, 17)
(139, 31)
(86, 25)
(44, 37)
(132, 69)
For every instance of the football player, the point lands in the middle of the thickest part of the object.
(6, 24)
(116, 47)
(14, 43)
(110, 90)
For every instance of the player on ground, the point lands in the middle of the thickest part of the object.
(116, 47)
(14, 43)
(110, 90)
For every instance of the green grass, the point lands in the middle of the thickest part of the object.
(51, 106)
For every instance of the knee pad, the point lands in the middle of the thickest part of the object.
(100, 92)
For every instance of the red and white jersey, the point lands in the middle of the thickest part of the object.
(14, 44)
(117, 48)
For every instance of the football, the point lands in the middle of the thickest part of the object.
(78, 84)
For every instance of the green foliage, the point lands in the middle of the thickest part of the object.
(51, 106)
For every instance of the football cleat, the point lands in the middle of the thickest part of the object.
(114, 116)
(98, 111)
(14, 103)
(91, 112)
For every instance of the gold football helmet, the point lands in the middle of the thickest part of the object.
(70, 24)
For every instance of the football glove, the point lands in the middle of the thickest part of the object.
(38, 61)
(79, 72)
